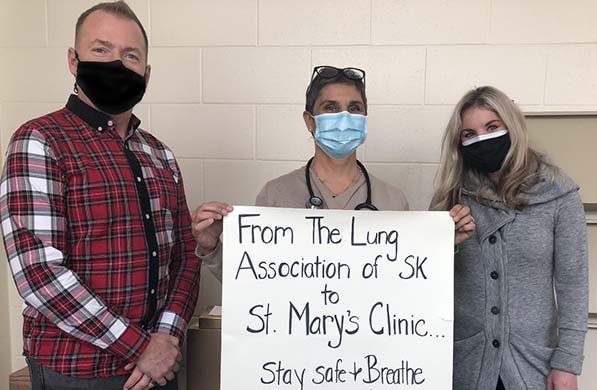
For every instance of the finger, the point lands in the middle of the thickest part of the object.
(134, 378)
(212, 203)
(454, 210)
(179, 356)
(459, 238)
(129, 366)
(462, 213)
(170, 375)
(142, 384)
(176, 367)
(207, 214)
(468, 220)
(200, 226)
(218, 207)
(161, 381)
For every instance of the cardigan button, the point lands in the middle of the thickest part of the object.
(494, 275)
(492, 239)
(495, 343)
(495, 310)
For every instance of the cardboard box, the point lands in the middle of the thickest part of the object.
(204, 343)
(19, 380)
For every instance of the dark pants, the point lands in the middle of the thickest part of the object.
(500, 385)
(42, 378)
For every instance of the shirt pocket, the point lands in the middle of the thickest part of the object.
(162, 187)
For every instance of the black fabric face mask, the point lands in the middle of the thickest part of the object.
(487, 155)
(112, 87)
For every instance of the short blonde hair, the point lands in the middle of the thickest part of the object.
(118, 8)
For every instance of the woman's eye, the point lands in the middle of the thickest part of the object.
(468, 134)
(355, 108)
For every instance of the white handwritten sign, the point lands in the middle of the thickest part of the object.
(329, 299)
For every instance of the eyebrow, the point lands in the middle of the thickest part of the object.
(336, 102)
(102, 42)
(487, 124)
(111, 45)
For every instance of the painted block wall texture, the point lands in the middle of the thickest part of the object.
(229, 76)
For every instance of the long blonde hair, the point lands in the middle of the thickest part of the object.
(520, 167)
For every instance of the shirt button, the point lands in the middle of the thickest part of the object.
(147, 216)
(154, 253)
(494, 275)
(492, 239)
(100, 128)
(495, 310)
(110, 123)
(139, 179)
(152, 291)
(495, 343)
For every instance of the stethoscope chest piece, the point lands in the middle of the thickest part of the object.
(314, 202)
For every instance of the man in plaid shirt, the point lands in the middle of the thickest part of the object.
(96, 226)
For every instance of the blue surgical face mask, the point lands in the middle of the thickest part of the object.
(339, 134)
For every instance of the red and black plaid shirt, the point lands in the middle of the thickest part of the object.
(97, 233)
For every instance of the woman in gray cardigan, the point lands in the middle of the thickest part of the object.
(529, 249)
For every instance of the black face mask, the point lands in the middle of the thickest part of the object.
(487, 155)
(112, 87)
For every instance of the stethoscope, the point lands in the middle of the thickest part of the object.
(316, 202)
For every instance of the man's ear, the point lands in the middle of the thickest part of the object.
(147, 74)
(72, 61)
(309, 122)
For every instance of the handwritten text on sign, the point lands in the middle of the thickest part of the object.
(329, 299)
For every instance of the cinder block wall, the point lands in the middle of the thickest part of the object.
(229, 76)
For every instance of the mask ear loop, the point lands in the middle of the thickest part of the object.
(75, 88)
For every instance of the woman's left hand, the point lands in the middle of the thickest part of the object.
(464, 223)
(561, 380)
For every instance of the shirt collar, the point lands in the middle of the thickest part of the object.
(96, 119)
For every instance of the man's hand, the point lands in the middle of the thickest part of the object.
(207, 224)
(561, 380)
(137, 380)
(464, 223)
(160, 360)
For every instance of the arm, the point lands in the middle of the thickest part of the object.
(571, 283)
(207, 228)
(184, 270)
(212, 260)
(32, 208)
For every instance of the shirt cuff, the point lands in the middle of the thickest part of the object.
(172, 324)
(564, 361)
(568, 355)
(131, 343)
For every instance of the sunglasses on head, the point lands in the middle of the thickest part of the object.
(329, 72)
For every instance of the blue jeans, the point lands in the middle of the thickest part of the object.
(42, 378)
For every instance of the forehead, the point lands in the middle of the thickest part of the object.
(340, 91)
(478, 116)
(118, 30)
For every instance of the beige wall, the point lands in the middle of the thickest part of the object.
(229, 77)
